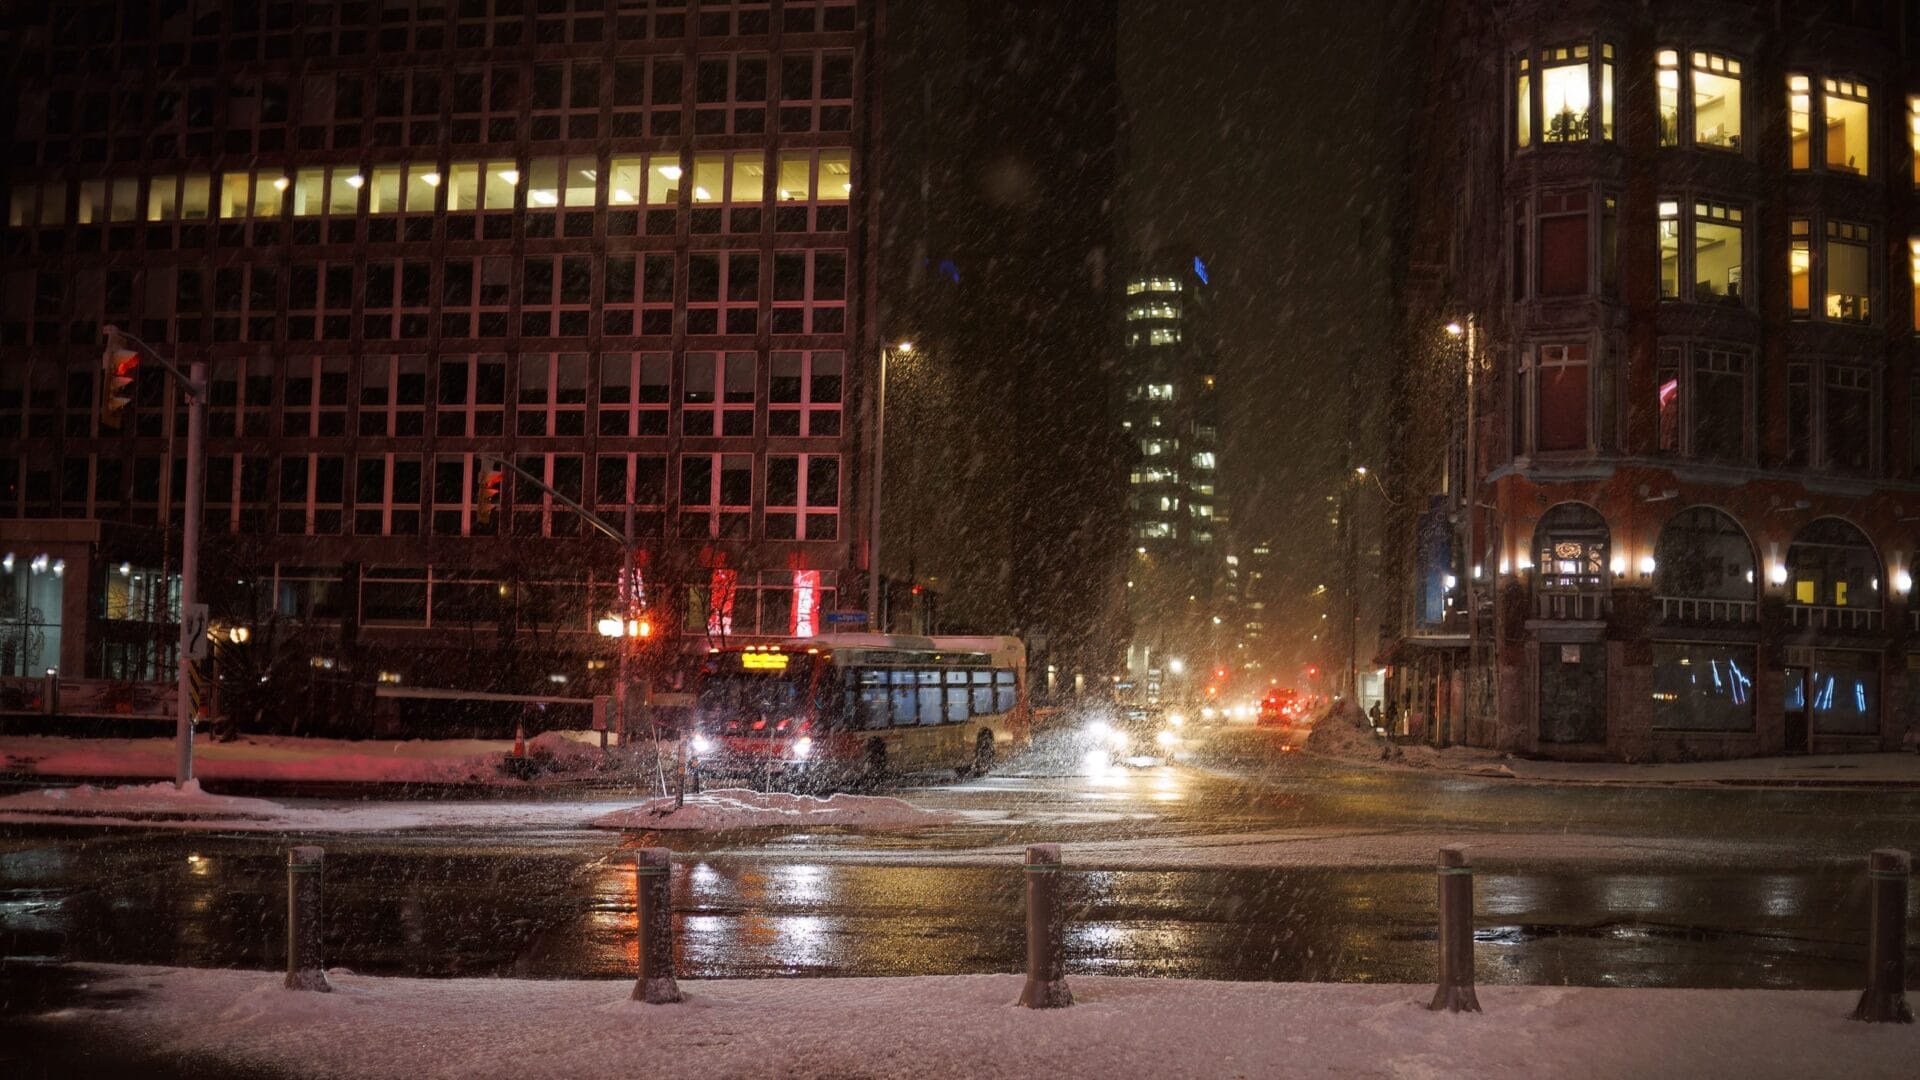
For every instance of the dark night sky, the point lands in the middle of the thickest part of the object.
(1263, 134)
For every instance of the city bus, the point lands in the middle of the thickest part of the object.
(847, 708)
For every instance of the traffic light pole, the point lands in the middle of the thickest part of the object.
(623, 693)
(194, 385)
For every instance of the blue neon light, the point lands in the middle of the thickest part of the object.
(1200, 270)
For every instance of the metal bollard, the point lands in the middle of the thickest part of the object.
(1885, 999)
(653, 867)
(305, 927)
(1046, 986)
(1455, 993)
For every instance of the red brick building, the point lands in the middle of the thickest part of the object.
(1660, 261)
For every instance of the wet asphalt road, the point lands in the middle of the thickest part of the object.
(559, 903)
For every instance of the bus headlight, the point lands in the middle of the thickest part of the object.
(802, 746)
(1166, 738)
(1177, 720)
(701, 744)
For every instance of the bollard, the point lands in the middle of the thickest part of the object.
(1885, 999)
(304, 925)
(1046, 986)
(1455, 993)
(653, 869)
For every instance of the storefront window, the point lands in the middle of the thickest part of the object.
(32, 592)
(1702, 687)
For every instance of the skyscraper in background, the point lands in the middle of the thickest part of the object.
(1168, 412)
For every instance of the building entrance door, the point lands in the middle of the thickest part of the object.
(1794, 713)
(1573, 692)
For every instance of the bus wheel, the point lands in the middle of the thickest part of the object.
(983, 754)
(876, 773)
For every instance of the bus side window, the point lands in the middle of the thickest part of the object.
(1003, 691)
(956, 696)
(905, 712)
(983, 693)
(873, 699)
(929, 697)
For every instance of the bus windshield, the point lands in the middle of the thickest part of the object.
(731, 697)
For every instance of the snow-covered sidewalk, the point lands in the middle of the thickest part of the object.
(290, 758)
(969, 1026)
(1339, 737)
(161, 805)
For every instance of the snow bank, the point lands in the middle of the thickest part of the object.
(739, 808)
(1345, 732)
(162, 799)
(968, 1026)
(292, 758)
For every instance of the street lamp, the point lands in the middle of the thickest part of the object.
(1472, 514)
(874, 600)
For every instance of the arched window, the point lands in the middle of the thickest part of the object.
(1704, 554)
(1570, 548)
(1832, 564)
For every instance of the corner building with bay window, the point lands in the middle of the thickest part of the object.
(619, 242)
(1661, 261)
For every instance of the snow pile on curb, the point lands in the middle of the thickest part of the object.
(1344, 732)
(298, 758)
(224, 1022)
(740, 808)
(141, 800)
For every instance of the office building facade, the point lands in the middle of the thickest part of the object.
(619, 243)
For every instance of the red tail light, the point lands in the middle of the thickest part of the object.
(781, 726)
(758, 724)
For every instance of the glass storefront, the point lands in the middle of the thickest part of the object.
(1838, 695)
(32, 592)
(1702, 687)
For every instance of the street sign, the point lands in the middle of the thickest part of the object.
(196, 631)
(845, 618)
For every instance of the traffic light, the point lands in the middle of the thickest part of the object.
(118, 368)
(1313, 671)
(488, 498)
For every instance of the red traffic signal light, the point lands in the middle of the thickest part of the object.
(1219, 673)
(1313, 671)
(488, 498)
(118, 368)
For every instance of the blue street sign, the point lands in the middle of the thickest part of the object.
(845, 618)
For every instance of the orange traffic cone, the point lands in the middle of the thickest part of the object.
(519, 740)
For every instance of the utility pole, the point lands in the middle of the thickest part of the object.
(119, 367)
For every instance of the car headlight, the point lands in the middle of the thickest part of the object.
(1099, 730)
(702, 744)
(1166, 738)
(802, 746)
(1207, 713)
(1176, 719)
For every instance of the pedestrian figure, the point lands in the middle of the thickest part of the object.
(1374, 714)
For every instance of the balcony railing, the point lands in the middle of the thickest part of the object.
(1826, 617)
(1700, 610)
(1570, 606)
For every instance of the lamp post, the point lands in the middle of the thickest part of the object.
(876, 604)
(1472, 508)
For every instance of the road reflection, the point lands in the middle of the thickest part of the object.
(437, 910)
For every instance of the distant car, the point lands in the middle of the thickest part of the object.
(1282, 708)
